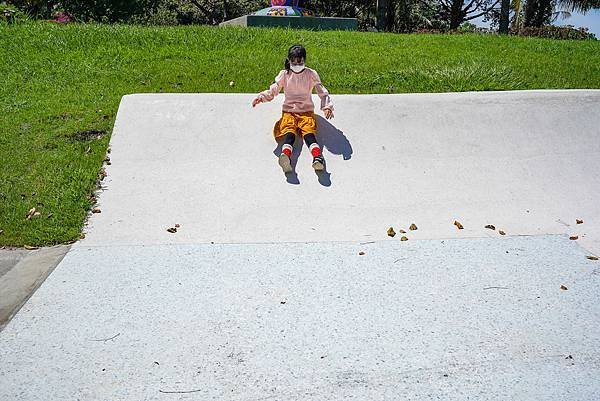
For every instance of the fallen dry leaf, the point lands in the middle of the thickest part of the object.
(457, 224)
(573, 237)
(402, 232)
(172, 230)
(412, 227)
(30, 248)
(82, 236)
(96, 210)
(403, 239)
(36, 214)
(232, 83)
(592, 257)
(562, 287)
(490, 226)
(1, 232)
(361, 253)
(501, 232)
(30, 213)
(177, 226)
(391, 232)
(579, 221)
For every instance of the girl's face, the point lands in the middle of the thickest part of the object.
(297, 64)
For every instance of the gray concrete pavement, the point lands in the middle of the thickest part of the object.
(283, 305)
(21, 273)
(427, 319)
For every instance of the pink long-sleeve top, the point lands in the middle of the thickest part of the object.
(298, 89)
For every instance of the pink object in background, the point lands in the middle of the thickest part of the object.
(63, 18)
(282, 3)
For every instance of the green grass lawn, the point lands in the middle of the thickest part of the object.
(61, 85)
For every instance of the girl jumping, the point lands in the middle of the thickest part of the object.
(298, 115)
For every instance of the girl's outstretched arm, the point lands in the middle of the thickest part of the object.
(274, 89)
(326, 103)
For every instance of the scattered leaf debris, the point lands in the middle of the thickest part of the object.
(490, 226)
(403, 238)
(569, 357)
(563, 287)
(177, 226)
(501, 232)
(31, 213)
(402, 232)
(96, 210)
(30, 248)
(592, 257)
(573, 237)
(578, 221)
(172, 230)
(457, 224)
(391, 232)
(361, 253)
(413, 227)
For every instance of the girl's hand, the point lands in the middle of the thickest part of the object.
(256, 101)
(328, 114)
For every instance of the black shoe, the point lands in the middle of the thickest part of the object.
(318, 163)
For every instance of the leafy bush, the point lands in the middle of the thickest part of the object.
(11, 14)
(106, 10)
(557, 32)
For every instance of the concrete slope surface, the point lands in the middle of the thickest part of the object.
(525, 162)
(282, 287)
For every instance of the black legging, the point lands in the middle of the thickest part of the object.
(290, 137)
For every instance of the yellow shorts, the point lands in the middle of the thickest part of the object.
(292, 122)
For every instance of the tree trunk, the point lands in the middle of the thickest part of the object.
(381, 14)
(456, 14)
(504, 20)
(391, 15)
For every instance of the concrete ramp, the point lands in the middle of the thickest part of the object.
(282, 287)
(525, 162)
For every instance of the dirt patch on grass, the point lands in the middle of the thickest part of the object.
(89, 135)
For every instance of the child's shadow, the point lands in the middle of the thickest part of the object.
(328, 137)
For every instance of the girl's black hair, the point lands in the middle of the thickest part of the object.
(296, 51)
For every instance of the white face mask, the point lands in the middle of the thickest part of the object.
(297, 68)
